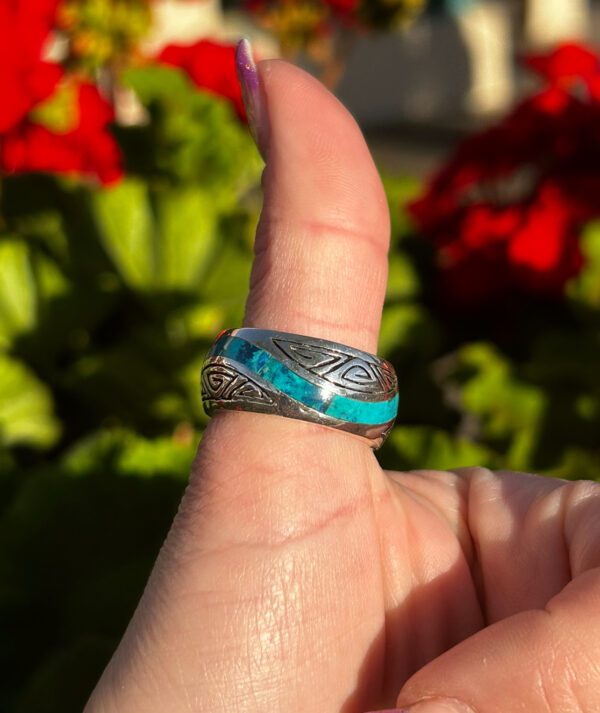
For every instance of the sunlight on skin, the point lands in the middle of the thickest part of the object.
(299, 576)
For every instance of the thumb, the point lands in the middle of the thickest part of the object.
(541, 661)
(320, 270)
(245, 608)
(321, 248)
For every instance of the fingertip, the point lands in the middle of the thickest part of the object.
(321, 246)
(317, 150)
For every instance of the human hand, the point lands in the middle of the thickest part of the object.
(299, 576)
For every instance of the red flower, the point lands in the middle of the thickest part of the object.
(343, 7)
(87, 150)
(211, 66)
(565, 68)
(25, 80)
(570, 61)
(506, 212)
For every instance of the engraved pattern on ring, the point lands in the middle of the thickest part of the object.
(350, 372)
(225, 383)
(303, 378)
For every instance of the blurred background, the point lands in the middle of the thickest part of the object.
(129, 195)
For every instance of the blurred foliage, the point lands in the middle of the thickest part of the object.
(301, 24)
(102, 32)
(108, 302)
(325, 30)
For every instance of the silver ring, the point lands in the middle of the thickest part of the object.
(301, 377)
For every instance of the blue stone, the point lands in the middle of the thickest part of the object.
(292, 384)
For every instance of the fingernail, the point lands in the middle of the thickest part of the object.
(251, 92)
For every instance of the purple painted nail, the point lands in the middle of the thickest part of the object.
(251, 91)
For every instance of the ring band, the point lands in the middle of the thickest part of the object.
(300, 377)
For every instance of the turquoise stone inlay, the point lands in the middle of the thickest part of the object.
(284, 379)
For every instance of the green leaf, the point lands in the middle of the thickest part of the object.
(124, 453)
(424, 447)
(400, 190)
(18, 304)
(407, 327)
(126, 227)
(585, 288)
(59, 112)
(26, 410)
(226, 283)
(161, 240)
(193, 136)
(403, 281)
(128, 385)
(186, 237)
(51, 281)
(578, 465)
(509, 410)
(44, 305)
(159, 81)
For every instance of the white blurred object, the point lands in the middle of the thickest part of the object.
(128, 109)
(56, 48)
(436, 71)
(239, 24)
(182, 22)
(486, 31)
(551, 21)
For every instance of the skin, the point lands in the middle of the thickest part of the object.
(298, 575)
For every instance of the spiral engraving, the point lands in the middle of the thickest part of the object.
(224, 383)
(344, 370)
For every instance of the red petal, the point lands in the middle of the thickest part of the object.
(568, 61)
(211, 66)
